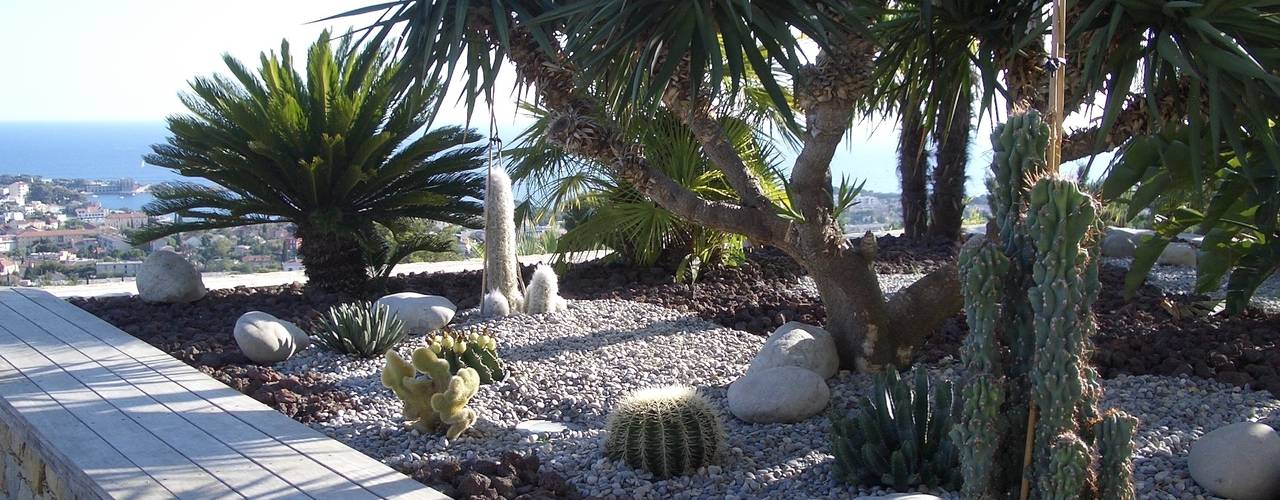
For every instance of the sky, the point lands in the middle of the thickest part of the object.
(126, 60)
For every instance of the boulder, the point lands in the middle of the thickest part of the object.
(1121, 242)
(166, 277)
(1240, 461)
(778, 395)
(266, 339)
(420, 313)
(1178, 254)
(900, 496)
(798, 344)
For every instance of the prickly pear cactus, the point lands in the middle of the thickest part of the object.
(1028, 289)
(439, 400)
(899, 437)
(478, 351)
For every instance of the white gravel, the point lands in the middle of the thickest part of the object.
(571, 367)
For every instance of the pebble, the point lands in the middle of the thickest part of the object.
(616, 346)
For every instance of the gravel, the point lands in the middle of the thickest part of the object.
(572, 367)
(1183, 279)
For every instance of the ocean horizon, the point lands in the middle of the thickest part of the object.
(114, 150)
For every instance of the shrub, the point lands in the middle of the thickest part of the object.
(478, 351)
(665, 430)
(361, 329)
(899, 438)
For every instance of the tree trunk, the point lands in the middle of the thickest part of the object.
(913, 168)
(946, 205)
(332, 262)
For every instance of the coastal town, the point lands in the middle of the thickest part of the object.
(54, 232)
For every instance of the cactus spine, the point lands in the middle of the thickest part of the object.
(666, 430)
(478, 351)
(502, 270)
(1028, 290)
(436, 401)
(543, 294)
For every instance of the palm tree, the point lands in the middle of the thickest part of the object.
(631, 57)
(333, 153)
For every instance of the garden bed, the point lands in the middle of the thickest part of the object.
(641, 329)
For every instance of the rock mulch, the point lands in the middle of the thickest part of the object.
(573, 366)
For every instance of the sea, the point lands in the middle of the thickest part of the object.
(114, 150)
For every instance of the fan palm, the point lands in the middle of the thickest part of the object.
(333, 153)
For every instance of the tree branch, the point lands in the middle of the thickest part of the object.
(716, 145)
(826, 91)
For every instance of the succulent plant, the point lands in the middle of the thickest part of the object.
(1028, 290)
(494, 305)
(900, 437)
(501, 270)
(543, 293)
(667, 431)
(440, 399)
(361, 329)
(478, 351)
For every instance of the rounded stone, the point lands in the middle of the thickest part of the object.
(1119, 243)
(1178, 254)
(778, 395)
(798, 344)
(1240, 461)
(420, 313)
(266, 339)
(166, 277)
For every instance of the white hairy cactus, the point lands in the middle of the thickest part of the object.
(501, 268)
(543, 294)
(494, 305)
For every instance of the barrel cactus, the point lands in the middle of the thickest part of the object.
(478, 351)
(1028, 288)
(667, 431)
(361, 329)
(440, 399)
(900, 437)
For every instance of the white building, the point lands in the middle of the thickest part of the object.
(17, 192)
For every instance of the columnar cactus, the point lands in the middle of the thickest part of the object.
(478, 351)
(899, 438)
(494, 305)
(502, 270)
(668, 431)
(543, 294)
(1028, 289)
(440, 400)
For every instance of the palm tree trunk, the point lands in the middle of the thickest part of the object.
(946, 206)
(332, 262)
(913, 168)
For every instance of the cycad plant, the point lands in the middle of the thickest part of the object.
(329, 147)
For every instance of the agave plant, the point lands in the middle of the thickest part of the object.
(901, 437)
(330, 148)
(361, 329)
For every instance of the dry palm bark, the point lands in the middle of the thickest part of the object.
(913, 172)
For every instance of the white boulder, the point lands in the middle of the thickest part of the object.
(1240, 461)
(798, 344)
(778, 395)
(266, 339)
(420, 313)
(1120, 243)
(166, 277)
(1178, 254)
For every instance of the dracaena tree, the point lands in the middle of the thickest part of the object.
(579, 58)
(329, 147)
